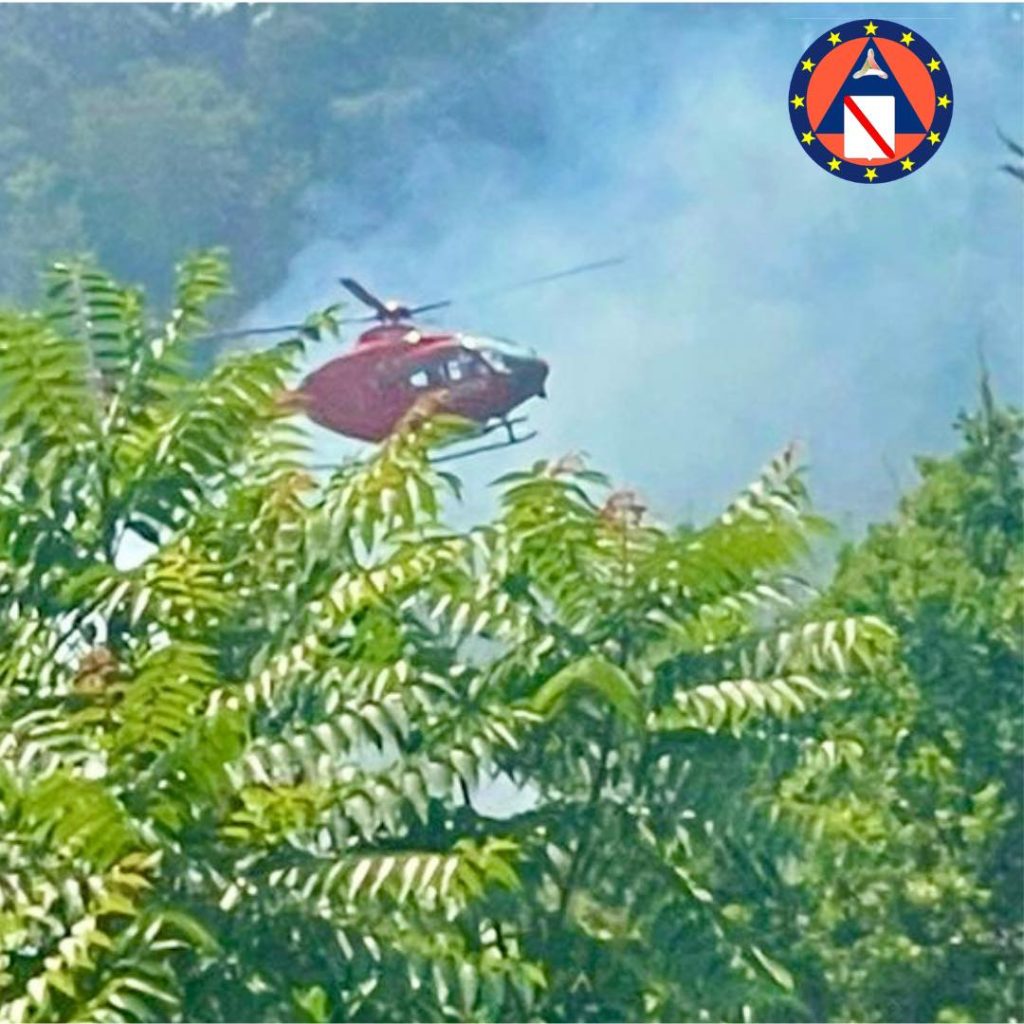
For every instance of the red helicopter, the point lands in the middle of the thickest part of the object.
(366, 392)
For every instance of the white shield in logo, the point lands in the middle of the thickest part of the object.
(857, 140)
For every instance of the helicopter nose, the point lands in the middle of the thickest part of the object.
(528, 375)
(535, 375)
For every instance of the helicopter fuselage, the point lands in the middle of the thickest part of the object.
(366, 392)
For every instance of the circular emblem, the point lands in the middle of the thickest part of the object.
(870, 101)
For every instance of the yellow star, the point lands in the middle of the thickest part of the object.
(933, 137)
(907, 165)
(934, 65)
(870, 28)
(807, 138)
(807, 64)
(834, 38)
(907, 38)
(870, 174)
(834, 164)
(797, 101)
(943, 101)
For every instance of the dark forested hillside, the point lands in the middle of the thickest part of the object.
(138, 131)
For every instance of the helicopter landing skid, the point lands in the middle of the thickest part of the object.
(510, 442)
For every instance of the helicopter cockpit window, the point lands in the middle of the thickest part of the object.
(462, 366)
(495, 350)
(419, 378)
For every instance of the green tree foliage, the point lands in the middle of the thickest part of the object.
(249, 721)
(905, 894)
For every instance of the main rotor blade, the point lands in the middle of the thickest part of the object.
(364, 296)
(245, 332)
(583, 268)
(429, 306)
(383, 313)
(301, 329)
(370, 319)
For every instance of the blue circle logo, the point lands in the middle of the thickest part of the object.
(871, 101)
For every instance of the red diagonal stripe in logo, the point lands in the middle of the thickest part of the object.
(869, 127)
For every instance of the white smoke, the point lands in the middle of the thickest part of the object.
(762, 301)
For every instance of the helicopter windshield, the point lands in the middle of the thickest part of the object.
(495, 350)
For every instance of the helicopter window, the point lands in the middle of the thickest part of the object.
(462, 366)
(495, 359)
(503, 346)
(495, 352)
(419, 379)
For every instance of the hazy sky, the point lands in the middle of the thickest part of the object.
(762, 300)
